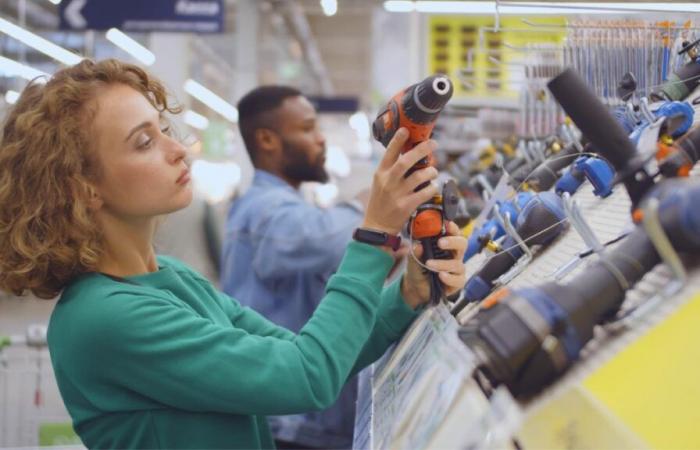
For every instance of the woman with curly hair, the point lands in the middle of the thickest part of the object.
(146, 352)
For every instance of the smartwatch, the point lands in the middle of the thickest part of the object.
(375, 237)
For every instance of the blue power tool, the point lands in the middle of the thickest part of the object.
(596, 170)
(493, 228)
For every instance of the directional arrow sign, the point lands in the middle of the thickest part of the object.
(199, 16)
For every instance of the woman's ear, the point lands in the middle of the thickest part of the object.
(95, 201)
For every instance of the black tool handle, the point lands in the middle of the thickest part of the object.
(599, 126)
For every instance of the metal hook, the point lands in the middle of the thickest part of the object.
(575, 217)
(527, 253)
(644, 109)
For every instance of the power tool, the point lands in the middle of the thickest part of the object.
(683, 81)
(493, 229)
(526, 338)
(679, 118)
(590, 168)
(544, 175)
(416, 108)
(676, 159)
(539, 223)
(606, 135)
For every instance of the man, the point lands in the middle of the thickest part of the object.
(293, 247)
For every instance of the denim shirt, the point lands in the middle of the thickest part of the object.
(279, 252)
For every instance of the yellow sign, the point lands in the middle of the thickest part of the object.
(467, 49)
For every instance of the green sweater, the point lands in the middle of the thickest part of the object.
(170, 362)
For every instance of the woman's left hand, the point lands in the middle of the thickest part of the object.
(415, 285)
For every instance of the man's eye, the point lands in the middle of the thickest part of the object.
(165, 130)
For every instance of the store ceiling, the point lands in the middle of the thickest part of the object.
(343, 40)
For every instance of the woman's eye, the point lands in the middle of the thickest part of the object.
(144, 142)
(165, 130)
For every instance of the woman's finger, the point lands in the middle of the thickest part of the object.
(446, 265)
(455, 243)
(418, 198)
(393, 150)
(410, 158)
(452, 281)
(453, 229)
(419, 177)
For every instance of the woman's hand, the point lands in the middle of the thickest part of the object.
(415, 286)
(391, 199)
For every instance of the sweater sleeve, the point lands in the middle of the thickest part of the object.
(393, 318)
(165, 352)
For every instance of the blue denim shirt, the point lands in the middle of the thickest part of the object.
(279, 252)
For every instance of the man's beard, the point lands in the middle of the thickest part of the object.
(297, 167)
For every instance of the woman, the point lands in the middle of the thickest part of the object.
(146, 352)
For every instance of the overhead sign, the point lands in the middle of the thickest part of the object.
(335, 104)
(198, 16)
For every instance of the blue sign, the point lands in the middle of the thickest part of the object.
(335, 104)
(197, 16)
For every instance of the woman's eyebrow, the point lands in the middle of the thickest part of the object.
(138, 127)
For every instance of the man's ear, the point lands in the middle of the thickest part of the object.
(267, 140)
(95, 201)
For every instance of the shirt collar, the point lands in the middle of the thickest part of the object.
(265, 178)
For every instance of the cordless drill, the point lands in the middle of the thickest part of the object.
(540, 222)
(416, 108)
(527, 337)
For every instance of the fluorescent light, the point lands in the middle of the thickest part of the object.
(330, 7)
(615, 6)
(130, 46)
(399, 6)
(535, 8)
(212, 100)
(11, 68)
(11, 97)
(39, 43)
(55, 2)
(196, 120)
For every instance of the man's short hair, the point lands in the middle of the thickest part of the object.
(252, 109)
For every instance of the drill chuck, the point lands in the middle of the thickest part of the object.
(424, 101)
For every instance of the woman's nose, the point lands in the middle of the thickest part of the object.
(176, 152)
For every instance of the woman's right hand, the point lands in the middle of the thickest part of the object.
(392, 198)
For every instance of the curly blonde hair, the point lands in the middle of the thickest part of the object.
(48, 234)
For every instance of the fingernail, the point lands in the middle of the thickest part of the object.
(442, 242)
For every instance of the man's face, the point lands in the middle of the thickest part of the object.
(303, 144)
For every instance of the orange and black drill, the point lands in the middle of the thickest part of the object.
(416, 108)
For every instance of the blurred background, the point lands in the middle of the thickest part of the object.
(348, 57)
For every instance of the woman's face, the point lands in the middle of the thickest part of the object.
(143, 170)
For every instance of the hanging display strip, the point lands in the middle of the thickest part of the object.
(417, 385)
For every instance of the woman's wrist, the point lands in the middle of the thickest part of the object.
(368, 224)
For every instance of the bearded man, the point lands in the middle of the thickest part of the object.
(292, 246)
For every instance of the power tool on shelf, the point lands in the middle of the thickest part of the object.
(526, 338)
(539, 223)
